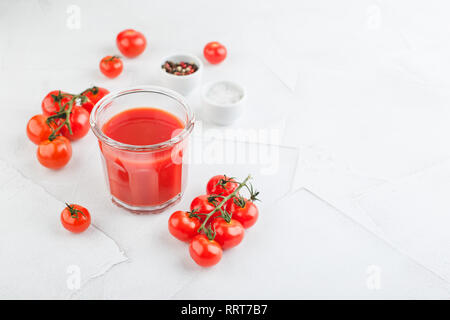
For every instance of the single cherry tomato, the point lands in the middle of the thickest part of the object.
(75, 218)
(183, 226)
(79, 123)
(221, 185)
(131, 43)
(203, 204)
(205, 252)
(244, 211)
(215, 52)
(94, 95)
(53, 102)
(38, 130)
(228, 234)
(54, 154)
(111, 66)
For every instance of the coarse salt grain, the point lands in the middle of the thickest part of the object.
(224, 93)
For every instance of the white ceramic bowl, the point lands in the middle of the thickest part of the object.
(182, 84)
(219, 112)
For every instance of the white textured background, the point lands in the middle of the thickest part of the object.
(357, 92)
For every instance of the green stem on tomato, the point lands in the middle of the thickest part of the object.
(219, 206)
(113, 58)
(74, 212)
(64, 113)
(93, 90)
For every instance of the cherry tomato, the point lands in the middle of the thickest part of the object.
(53, 102)
(246, 213)
(219, 185)
(131, 43)
(228, 234)
(79, 123)
(202, 204)
(38, 130)
(182, 226)
(205, 252)
(111, 66)
(54, 154)
(75, 218)
(94, 95)
(215, 52)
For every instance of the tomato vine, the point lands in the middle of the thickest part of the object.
(207, 229)
(64, 112)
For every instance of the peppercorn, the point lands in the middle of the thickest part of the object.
(180, 69)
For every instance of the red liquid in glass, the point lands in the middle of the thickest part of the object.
(142, 178)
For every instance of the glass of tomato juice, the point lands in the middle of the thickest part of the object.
(143, 137)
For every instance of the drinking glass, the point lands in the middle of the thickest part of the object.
(144, 178)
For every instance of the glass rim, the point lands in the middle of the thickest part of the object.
(110, 97)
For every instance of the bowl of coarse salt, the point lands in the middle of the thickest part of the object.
(223, 101)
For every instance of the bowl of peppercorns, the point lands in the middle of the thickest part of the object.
(181, 72)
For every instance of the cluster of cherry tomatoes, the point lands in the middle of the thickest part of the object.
(131, 43)
(217, 220)
(64, 118)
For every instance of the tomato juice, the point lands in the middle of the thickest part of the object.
(140, 178)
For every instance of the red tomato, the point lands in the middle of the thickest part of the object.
(53, 102)
(246, 214)
(75, 218)
(182, 226)
(202, 205)
(219, 185)
(94, 95)
(131, 43)
(37, 129)
(79, 123)
(111, 66)
(215, 52)
(205, 252)
(54, 154)
(228, 234)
